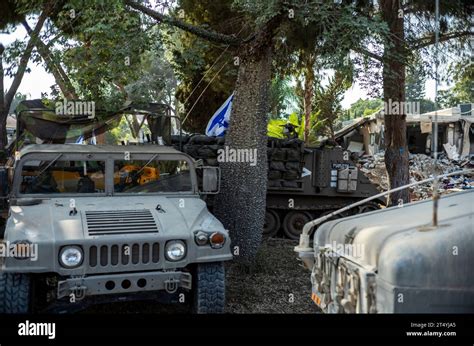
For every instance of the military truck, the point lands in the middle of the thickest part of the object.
(394, 260)
(303, 182)
(76, 235)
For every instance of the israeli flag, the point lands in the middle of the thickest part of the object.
(80, 140)
(220, 120)
(93, 139)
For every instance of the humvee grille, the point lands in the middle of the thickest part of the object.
(120, 222)
(124, 254)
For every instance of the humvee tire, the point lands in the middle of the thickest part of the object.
(209, 288)
(15, 293)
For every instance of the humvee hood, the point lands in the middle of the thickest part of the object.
(103, 216)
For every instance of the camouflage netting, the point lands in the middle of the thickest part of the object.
(39, 119)
(285, 157)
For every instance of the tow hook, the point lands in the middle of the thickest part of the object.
(171, 285)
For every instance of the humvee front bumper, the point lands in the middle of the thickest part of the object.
(123, 283)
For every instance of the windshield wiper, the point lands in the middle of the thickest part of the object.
(146, 164)
(49, 164)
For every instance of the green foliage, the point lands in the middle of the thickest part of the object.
(419, 29)
(275, 126)
(328, 101)
(463, 88)
(327, 29)
(426, 106)
(363, 107)
(120, 133)
(14, 11)
(103, 53)
(415, 79)
(16, 100)
(281, 96)
(202, 67)
(156, 82)
(11, 57)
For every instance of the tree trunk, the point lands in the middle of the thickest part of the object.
(60, 76)
(396, 149)
(3, 109)
(308, 93)
(241, 203)
(8, 97)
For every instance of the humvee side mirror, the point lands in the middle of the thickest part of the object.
(210, 179)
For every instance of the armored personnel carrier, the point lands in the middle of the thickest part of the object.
(303, 182)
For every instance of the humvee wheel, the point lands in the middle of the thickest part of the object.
(209, 288)
(272, 223)
(294, 222)
(15, 293)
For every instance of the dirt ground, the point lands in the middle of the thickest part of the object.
(276, 284)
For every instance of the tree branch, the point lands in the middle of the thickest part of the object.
(2, 91)
(429, 40)
(368, 53)
(58, 72)
(24, 60)
(196, 30)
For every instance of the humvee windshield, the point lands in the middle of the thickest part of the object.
(141, 176)
(61, 176)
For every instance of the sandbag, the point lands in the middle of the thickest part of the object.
(191, 150)
(286, 183)
(274, 183)
(293, 166)
(175, 139)
(291, 175)
(272, 175)
(207, 151)
(293, 155)
(277, 166)
(211, 162)
(278, 155)
(202, 139)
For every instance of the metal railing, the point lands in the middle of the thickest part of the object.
(304, 244)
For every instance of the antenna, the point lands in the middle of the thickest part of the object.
(435, 128)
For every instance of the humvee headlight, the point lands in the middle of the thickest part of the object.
(175, 250)
(201, 238)
(70, 256)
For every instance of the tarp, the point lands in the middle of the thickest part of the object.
(39, 118)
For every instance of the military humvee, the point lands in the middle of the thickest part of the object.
(81, 228)
(394, 261)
